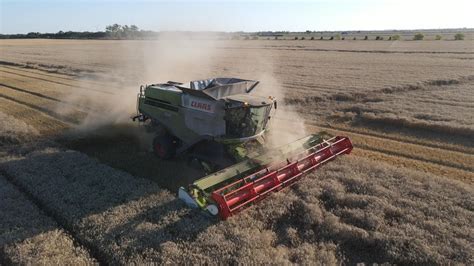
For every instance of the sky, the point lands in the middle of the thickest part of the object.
(23, 16)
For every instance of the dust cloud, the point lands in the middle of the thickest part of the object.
(285, 125)
(108, 101)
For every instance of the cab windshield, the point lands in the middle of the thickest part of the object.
(242, 122)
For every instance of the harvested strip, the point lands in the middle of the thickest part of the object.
(451, 173)
(292, 48)
(63, 70)
(28, 236)
(51, 89)
(438, 156)
(14, 131)
(384, 150)
(399, 138)
(446, 163)
(41, 95)
(402, 138)
(24, 68)
(44, 123)
(40, 78)
(47, 106)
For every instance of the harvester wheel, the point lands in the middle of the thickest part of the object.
(164, 147)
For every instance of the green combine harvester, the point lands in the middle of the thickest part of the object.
(221, 126)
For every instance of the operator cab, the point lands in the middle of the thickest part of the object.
(246, 116)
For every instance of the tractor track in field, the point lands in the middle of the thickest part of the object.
(61, 118)
(418, 158)
(436, 166)
(419, 161)
(28, 65)
(38, 78)
(62, 223)
(46, 97)
(419, 164)
(307, 49)
(45, 124)
(455, 104)
(60, 76)
(401, 140)
(31, 92)
(427, 167)
(55, 82)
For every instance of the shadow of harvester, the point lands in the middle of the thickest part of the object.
(126, 148)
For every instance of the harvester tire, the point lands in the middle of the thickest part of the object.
(163, 147)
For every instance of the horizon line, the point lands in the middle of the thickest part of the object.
(241, 31)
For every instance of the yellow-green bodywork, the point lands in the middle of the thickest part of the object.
(173, 97)
(201, 188)
(165, 106)
(184, 114)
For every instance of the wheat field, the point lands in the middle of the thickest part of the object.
(79, 184)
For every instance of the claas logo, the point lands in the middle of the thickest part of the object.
(202, 106)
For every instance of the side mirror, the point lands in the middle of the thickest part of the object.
(275, 104)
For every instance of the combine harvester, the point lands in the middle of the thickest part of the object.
(220, 125)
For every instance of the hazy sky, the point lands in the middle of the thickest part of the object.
(22, 16)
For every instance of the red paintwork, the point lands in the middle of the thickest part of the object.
(277, 176)
(160, 150)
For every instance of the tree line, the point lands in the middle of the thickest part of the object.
(126, 32)
(115, 32)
